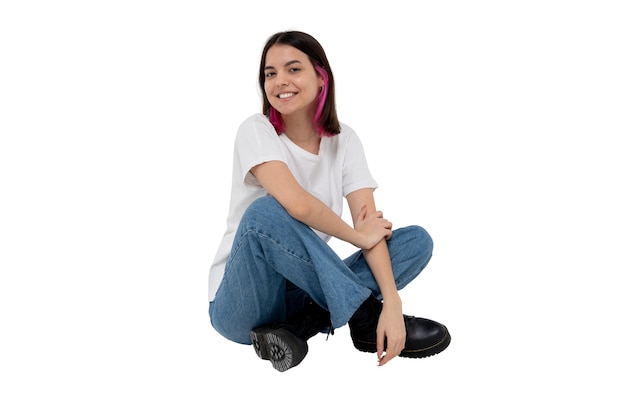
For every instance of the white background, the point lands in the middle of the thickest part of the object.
(499, 126)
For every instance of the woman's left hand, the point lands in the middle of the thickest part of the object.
(391, 327)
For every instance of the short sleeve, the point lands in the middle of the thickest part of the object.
(356, 173)
(256, 142)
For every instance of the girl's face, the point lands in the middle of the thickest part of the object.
(291, 82)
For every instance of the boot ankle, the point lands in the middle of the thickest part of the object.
(309, 321)
(363, 324)
(367, 314)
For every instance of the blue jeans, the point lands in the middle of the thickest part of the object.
(276, 262)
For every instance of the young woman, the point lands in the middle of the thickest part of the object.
(275, 282)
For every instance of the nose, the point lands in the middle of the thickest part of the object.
(281, 79)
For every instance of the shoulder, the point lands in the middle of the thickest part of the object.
(346, 133)
(256, 128)
(257, 120)
(347, 137)
(346, 130)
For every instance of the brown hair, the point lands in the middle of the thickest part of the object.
(326, 121)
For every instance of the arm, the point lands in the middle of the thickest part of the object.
(391, 322)
(276, 178)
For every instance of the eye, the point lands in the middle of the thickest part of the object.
(295, 69)
(269, 74)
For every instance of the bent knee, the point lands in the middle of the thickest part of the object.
(265, 213)
(422, 239)
(262, 208)
(228, 329)
(263, 203)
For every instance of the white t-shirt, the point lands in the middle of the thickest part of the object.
(337, 170)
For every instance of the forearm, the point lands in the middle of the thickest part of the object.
(322, 218)
(364, 216)
(379, 262)
(276, 178)
(314, 213)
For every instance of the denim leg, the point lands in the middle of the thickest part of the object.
(270, 249)
(410, 250)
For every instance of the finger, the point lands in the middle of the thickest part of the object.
(397, 348)
(390, 353)
(380, 345)
(384, 360)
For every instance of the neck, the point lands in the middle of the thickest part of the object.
(303, 134)
(300, 129)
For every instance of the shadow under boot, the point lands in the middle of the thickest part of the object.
(284, 344)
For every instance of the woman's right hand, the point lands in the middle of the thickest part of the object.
(372, 227)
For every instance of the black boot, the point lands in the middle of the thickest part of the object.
(424, 337)
(284, 344)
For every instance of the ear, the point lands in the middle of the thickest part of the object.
(320, 81)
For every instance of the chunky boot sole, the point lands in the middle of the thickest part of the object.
(440, 346)
(281, 347)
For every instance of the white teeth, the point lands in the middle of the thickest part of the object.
(285, 95)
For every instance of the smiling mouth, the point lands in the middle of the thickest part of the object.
(286, 95)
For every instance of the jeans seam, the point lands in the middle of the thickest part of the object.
(269, 238)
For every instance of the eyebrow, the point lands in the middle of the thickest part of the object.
(294, 61)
